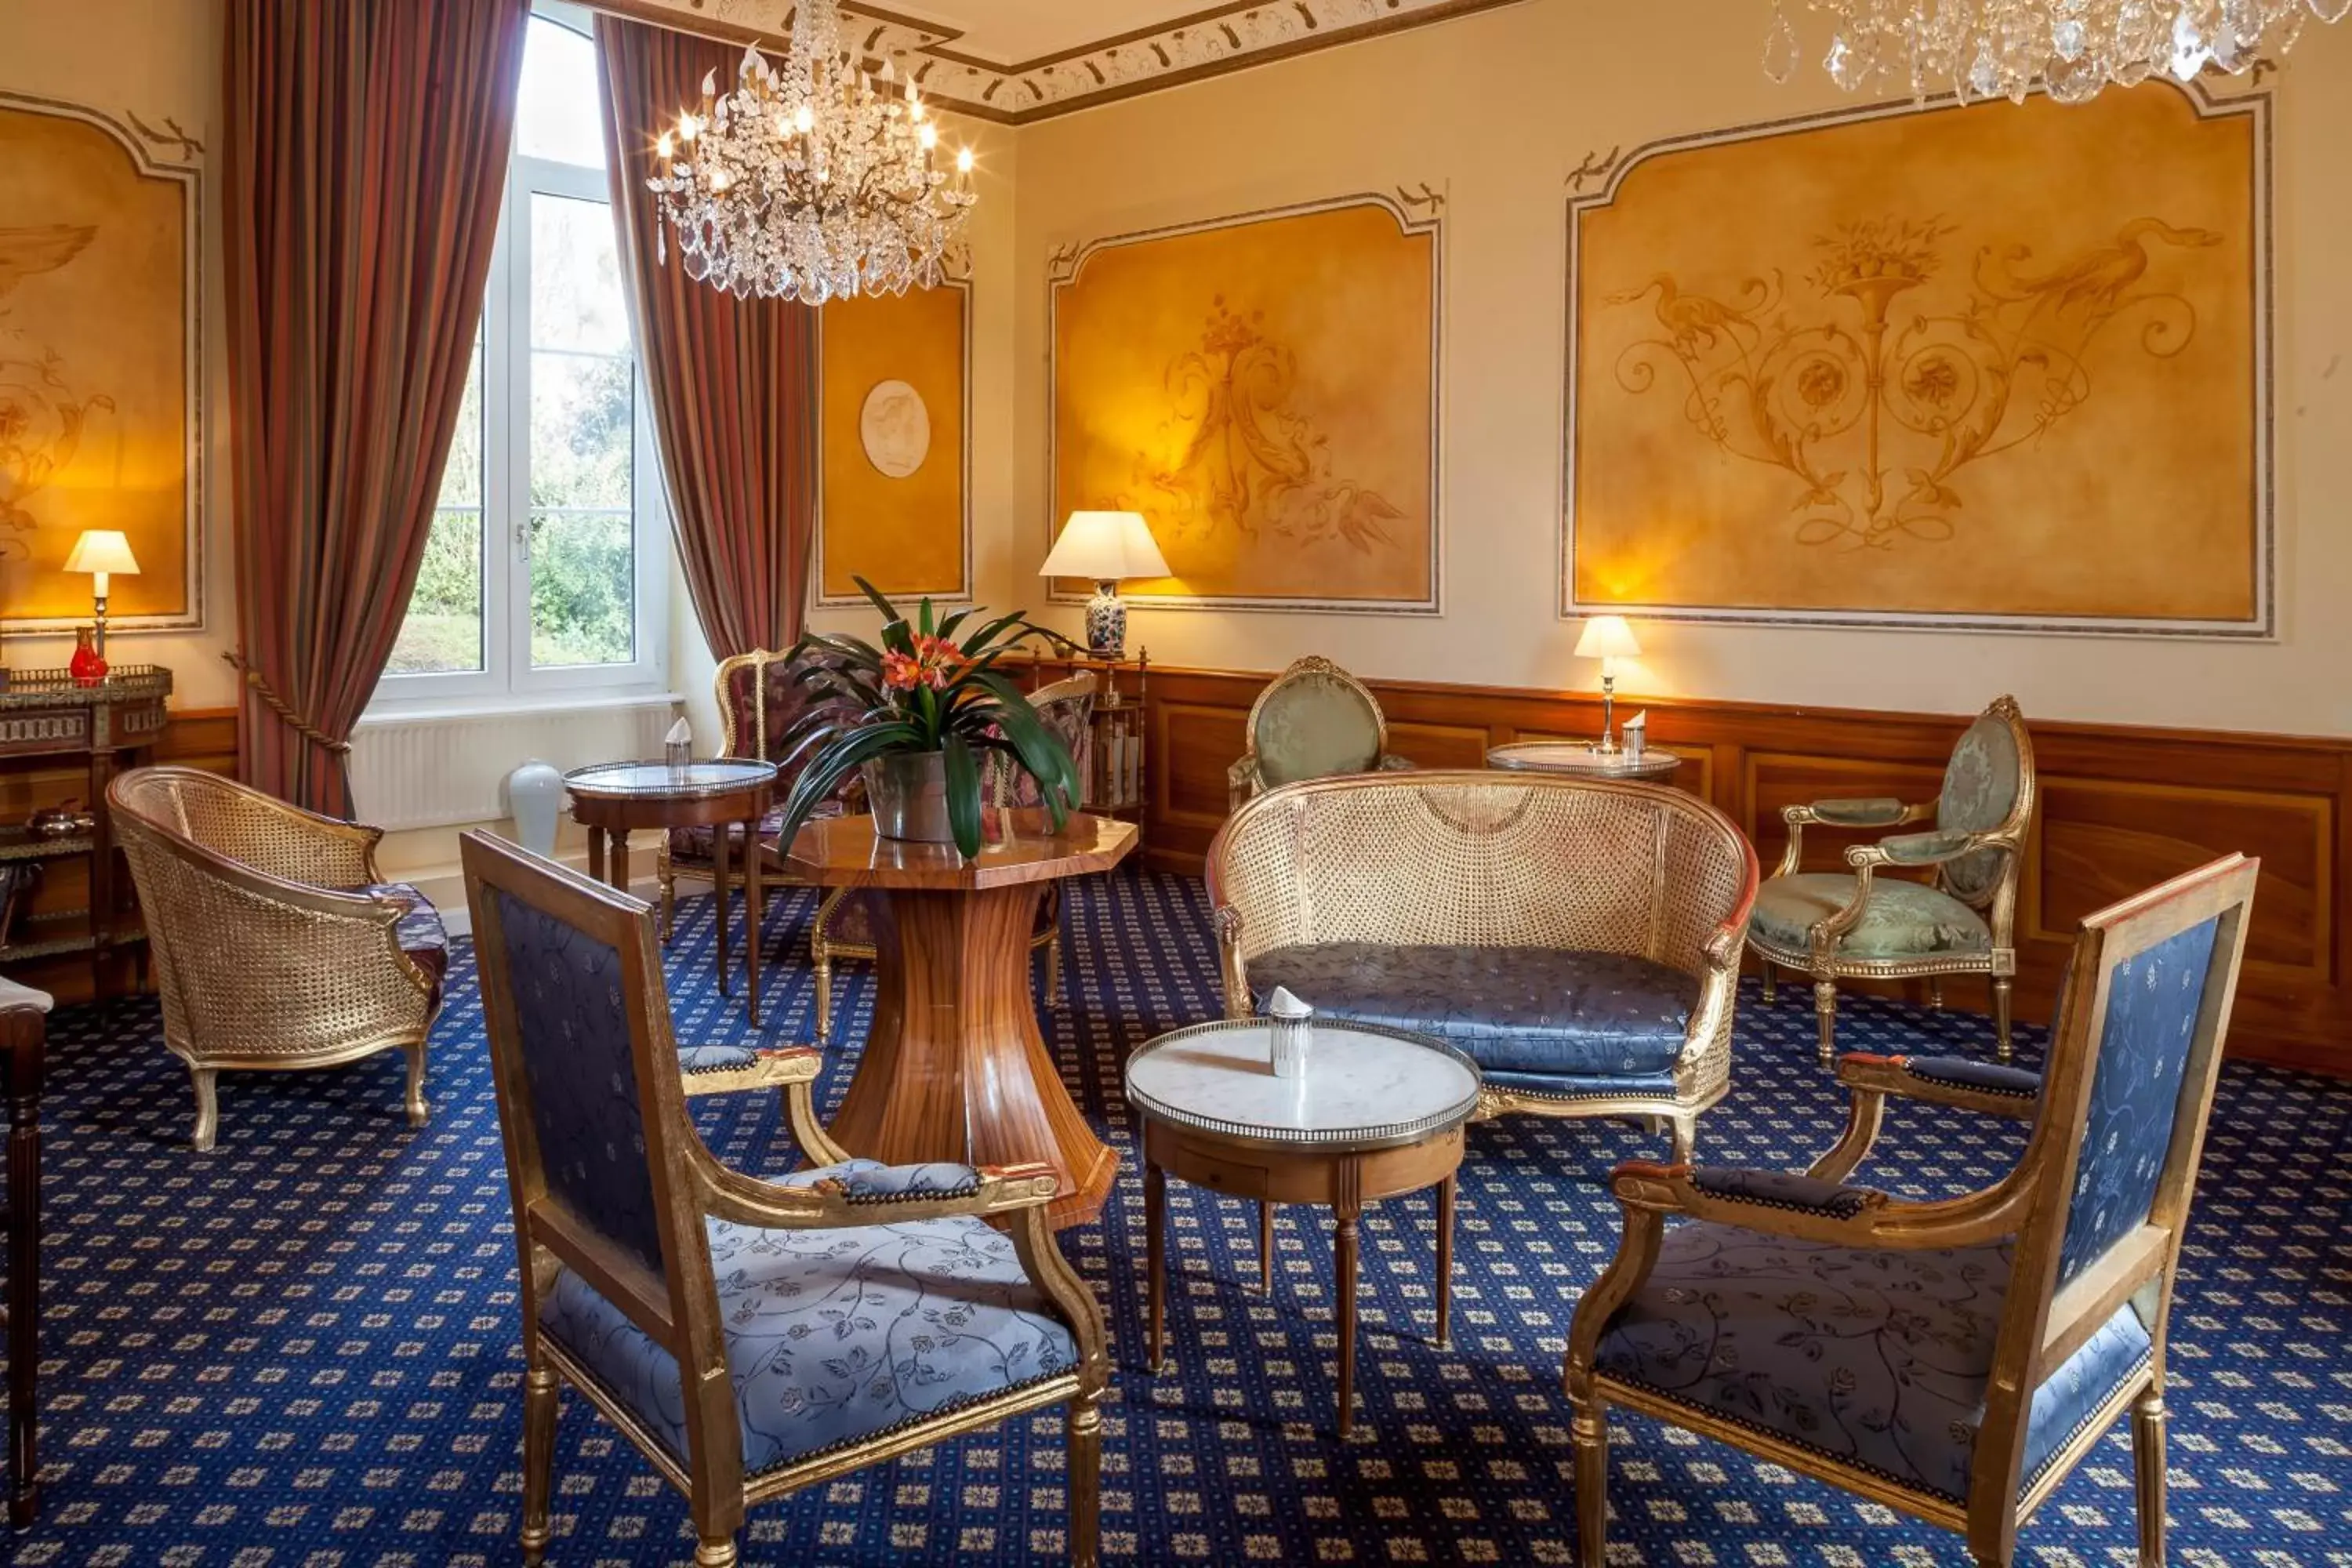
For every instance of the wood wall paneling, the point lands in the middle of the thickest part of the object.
(2122, 809)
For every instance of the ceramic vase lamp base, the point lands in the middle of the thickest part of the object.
(1107, 622)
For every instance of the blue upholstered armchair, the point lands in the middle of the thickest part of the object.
(1871, 921)
(699, 1310)
(1313, 720)
(1953, 1360)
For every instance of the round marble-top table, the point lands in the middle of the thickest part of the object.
(1583, 760)
(954, 1067)
(614, 799)
(1376, 1112)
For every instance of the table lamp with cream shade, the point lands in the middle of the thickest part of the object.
(102, 553)
(1608, 638)
(1103, 547)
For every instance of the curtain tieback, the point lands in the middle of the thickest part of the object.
(278, 705)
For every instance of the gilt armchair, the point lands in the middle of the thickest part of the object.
(278, 944)
(1953, 1360)
(843, 929)
(1313, 720)
(1864, 923)
(1578, 939)
(698, 1308)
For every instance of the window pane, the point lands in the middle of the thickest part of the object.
(575, 276)
(443, 632)
(584, 580)
(581, 430)
(556, 114)
(461, 476)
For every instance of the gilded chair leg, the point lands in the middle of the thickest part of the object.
(715, 1552)
(2002, 986)
(207, 1107)
(1684, 1131)
(1054, 971)
(1771, 982)
(2148, 1418)
(1935, 995)
(1086, 1480)
(418, 1109)
(1825, 1012)
(538, 1404)
(1589, 1431)
(824, 998)
(668, 878)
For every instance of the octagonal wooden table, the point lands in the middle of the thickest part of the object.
(955, 1067)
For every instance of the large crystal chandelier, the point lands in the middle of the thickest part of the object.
(2001, 48)
(810, 183)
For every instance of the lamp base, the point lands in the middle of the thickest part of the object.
(1106, 623)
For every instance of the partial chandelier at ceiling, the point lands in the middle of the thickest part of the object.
(2004, 48)
(809, 183)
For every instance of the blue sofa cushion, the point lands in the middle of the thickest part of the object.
(1877, 1359)
(1509, 1009)
(833, 1335)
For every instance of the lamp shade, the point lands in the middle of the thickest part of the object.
(103, 550)
(1607, 636)
(1104, 546)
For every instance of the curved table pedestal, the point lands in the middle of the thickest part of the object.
(955, 1067)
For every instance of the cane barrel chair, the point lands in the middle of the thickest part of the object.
(1954, 1359)
(1313, 720)
(1578, 939)
(278, 944)
(843, 929)
(1872, 921)
(750, 1338)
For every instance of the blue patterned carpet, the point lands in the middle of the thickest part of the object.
(301, 1350)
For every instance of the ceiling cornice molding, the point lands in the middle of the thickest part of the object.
(1219, 38)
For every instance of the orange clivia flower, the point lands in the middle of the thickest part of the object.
(900, 672)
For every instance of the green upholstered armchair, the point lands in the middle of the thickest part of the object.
(1314, 722)
(1855, 924)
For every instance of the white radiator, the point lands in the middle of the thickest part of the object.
(435, 770)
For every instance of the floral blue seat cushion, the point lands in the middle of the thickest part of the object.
(1511, 1009)
(833, 1335)
(1874, 1358)
(420, 933)
(1903, 919)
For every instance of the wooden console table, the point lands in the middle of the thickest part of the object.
(112, 724)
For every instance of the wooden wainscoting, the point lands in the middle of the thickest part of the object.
(196, 738)
(2122, 809)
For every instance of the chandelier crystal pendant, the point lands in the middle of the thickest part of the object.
(2002, 48)
(810, 183)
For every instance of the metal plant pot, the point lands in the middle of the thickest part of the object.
(908, 793)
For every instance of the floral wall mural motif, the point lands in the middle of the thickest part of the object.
(1264, 389)
(1993, 365)
(99, 357)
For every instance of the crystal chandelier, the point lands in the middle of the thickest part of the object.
(2001, 48)
(809, 183)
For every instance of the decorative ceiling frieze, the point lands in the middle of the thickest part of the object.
(1208, 42)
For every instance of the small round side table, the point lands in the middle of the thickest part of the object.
(1584, 761)
(1376, 1112)
(615, 799)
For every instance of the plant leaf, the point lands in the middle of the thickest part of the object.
(964, 796)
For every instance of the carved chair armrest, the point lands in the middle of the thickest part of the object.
(794, 1069)
(1930, 849)
(1390, 763)
(1243, 783)
(887, 1196)
(1874, 811)
(1988, 1087)
(1814, 1208)
(1233, 968)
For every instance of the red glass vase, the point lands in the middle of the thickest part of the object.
(89, 665)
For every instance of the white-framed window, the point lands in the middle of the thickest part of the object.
(548, 567)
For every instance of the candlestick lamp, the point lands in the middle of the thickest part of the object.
(1104, 546)
(102, 553)
(1608, 638)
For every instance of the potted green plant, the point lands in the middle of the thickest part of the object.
(915, 716)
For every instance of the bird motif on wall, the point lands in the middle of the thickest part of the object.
(41, 247)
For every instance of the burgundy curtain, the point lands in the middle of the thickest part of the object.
(733, 381)
(366, 154)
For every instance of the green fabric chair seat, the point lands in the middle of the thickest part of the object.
(1904, 920)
